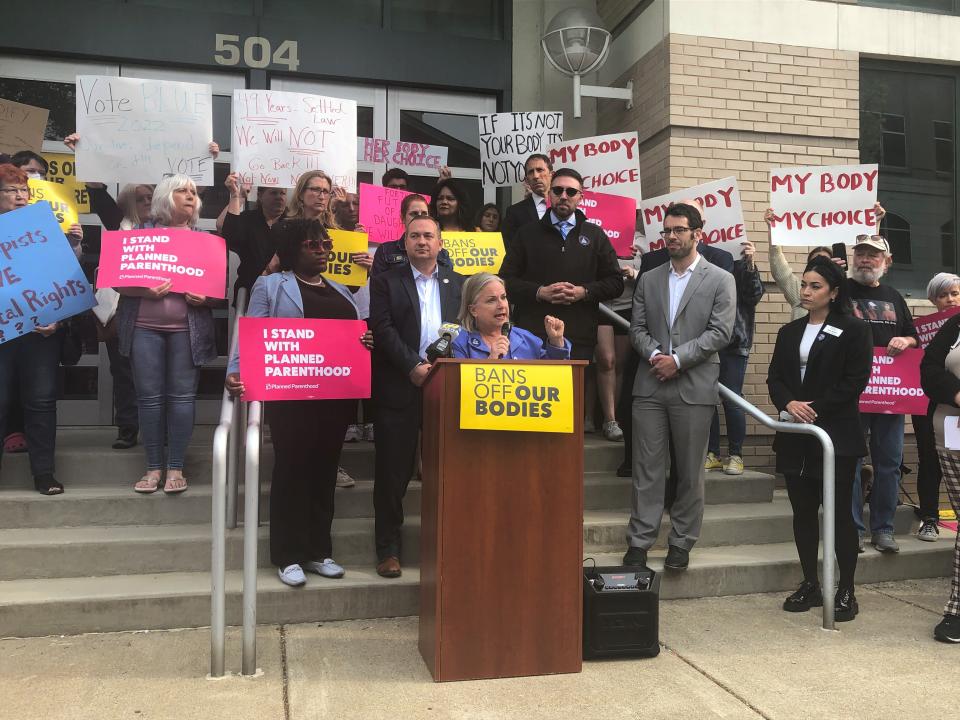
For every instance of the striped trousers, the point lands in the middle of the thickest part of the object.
(950, 464)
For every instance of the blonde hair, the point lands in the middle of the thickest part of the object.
(295, 201)
(127, 202)
(162, 207)
(468, 296)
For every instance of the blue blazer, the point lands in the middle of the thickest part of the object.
(278, 295)
(523, 346)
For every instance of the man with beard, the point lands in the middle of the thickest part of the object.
(892, 324)
(683, 316)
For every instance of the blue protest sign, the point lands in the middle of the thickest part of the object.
(40, 279)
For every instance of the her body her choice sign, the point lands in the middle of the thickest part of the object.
(301, 359)
(894, 387)
(823, 205)
(40, 279)
(196, 262)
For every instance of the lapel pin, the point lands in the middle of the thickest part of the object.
(446, 280)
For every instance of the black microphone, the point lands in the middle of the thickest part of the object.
(442, 347)
(505, 331)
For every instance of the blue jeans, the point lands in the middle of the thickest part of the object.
(886, 451)
(166, 380)
(733, 368)
(31, 361)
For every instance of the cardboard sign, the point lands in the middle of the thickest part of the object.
(40, 279)
(301, 359)
(195, 261)
(616, 215)
(21, 126)
(60, 199)
(409, 156)
(723, 215)
(139, 131)
(62, 169)
(894, 387)
(474, 252)
(508, 139)
(608, 163)
(278, 136)
(823, 205)
(527, 398)
(929, 325)
(380, 212)
(340, 268)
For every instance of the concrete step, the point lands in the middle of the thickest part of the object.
(173, 600)
(104, 550)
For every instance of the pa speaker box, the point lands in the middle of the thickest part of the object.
(620, 612)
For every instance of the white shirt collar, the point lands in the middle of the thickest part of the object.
(690, 269)
(417, 274)
(554, 220)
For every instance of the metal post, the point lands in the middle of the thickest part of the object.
(576, 99)
(218, 559)
(233, 443)
(251, 511)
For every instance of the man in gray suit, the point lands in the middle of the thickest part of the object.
(683, 314)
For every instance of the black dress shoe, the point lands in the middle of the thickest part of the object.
(636, 557)
(808, 595)
(677, 558)
(625, 470)
(845, 607)
(126, 438)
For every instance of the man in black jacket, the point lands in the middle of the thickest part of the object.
(562, 266)
(537, 171)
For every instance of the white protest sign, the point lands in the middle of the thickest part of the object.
(410, 156)
(608, 163)
(139, 131)
(278, 136)
(508, 139)
(722, 215)
(823, 205)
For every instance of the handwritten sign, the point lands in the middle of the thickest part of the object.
(409, 156)
(60, 199)
(527, 398)
(929, 325)
(474, 252)
(278, 136)
(380, 212)
(63, 170)
(21, 126)
(722, 215)
(608, 163)
(508, 139)
(196, 262)
(894, 387)
(301, 359)
(40, 279)
(139, 131)
(823, 205)
(340, 266)
(616, 215)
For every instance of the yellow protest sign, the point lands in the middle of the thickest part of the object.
(340, 268)
(61, 169)
(505, 396)
(60, 199)
(474, 252)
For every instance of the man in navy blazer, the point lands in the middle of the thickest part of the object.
(537, 173)
(407, 306)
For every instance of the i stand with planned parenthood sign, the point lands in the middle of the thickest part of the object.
(40, 279)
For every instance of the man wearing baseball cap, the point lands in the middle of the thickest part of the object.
(892, 324)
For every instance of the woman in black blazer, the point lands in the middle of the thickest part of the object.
(820, 366)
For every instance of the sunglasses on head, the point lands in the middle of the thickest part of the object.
(319, 243)
(568, 191)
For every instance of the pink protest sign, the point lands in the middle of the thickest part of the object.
(928, 325)
(615, 214)
(380, 212)
(894, 387)
(300, 359)
(196, 262)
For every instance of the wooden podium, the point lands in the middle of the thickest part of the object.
(501, 540)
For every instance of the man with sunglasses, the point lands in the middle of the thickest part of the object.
(892, 324)
(562, 266)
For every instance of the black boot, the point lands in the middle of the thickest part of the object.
(807, 596)
(845, 607)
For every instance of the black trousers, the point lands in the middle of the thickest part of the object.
(929, 474)
(806, 496)
(395, 439)
(307, 438)
(125, 413)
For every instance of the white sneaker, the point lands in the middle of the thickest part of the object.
(292, 575)
(353, 434)
(612, 431)
(343, 479)
(368, 432)
(328, 568)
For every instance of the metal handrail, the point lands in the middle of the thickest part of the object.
(251, 523)
(829, 488)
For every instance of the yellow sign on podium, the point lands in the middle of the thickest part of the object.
(527, 398)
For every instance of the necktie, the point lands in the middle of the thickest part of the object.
(564, 227)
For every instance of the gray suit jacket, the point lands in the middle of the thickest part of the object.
(702, 327)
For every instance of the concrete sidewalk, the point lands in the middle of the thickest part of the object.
(730, 657)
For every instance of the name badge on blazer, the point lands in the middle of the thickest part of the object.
(831, 330)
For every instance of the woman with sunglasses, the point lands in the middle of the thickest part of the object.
(307, 434)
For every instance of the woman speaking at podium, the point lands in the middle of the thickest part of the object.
(487, 331)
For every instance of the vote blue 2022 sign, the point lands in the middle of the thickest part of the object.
(40, 279)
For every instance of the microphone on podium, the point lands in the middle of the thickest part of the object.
(441, 347)
(505, 331)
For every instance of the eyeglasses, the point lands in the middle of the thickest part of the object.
(317, 190)
(318, 244)
(678, 231)
(875, 238)
(16, 191)
(568, 191)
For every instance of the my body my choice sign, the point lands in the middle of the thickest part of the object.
(505, 396)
